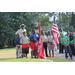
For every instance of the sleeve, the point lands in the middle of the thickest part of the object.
(28, 40)
(15, 40)
(31, 37)
(21, 41)
(17, 31)
(46, 38)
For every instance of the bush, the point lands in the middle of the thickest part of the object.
(71, 29)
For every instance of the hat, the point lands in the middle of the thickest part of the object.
(22, 25)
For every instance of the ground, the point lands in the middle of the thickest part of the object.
(9, 55)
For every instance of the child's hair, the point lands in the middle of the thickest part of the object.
(49, 31)
(24, 32)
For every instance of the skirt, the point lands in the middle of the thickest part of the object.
(50, 47)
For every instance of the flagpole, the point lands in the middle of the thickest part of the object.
(60, 20)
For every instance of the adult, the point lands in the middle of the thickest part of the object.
(45, 40)
(33, 43)
(20, 31)
(61, 46)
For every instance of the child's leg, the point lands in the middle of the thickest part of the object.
(52, 53)
(31, 53)
(35, 53)
(16, 51)
(23, 54)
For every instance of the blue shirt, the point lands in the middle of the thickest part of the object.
(17, 40)
(34, 36)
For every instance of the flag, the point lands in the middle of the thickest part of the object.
(40, 51)
(56, 35)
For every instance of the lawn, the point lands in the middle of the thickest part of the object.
(9, 55)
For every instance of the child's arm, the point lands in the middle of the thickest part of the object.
(21, 41)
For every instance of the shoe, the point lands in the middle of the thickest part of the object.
(71, 58)
(23, 57)
(31, 57)
(47, 56)
(26, 57)
(17, 57)
(50, 56)
(53, 56)
(55, 50)
(35, 57)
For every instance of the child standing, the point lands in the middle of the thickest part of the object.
(18, 48)
(25, 44)
(65, 41)
(50, 44)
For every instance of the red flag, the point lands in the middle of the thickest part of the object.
(40, 51)
(56, 35)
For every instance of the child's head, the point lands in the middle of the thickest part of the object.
(18, 35)
(24, 33)
(42, 32)
(62, 34)
(49, 32)
(71, 33)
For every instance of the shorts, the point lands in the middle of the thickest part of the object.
(33, 46)
(25, 46)
(25, 51)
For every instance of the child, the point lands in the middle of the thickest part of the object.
(50, 44)
(25, 44)
(45, 40)
(33, 42)
(65, 41)
(18, 48)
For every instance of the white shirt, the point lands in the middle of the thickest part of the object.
(20, 31)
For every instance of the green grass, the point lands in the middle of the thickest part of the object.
(57, 59)
(9, 55)
(6, 55)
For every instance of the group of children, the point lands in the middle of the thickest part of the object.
(67, 42)
(22, 44)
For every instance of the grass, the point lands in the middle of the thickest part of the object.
(9, 55)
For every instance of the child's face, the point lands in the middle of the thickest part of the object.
(24, 33)
(49, 33)
(18, 35)
(62, 34)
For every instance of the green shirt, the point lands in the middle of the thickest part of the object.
(72, 41)
(61, 36)
(66, 38)
(74, 35)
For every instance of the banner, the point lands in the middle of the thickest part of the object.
(40, 51)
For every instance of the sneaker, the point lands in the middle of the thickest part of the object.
(31, 57)
(17, 57)
(53, 56)
(50, 56)
(71, 58)
(23, 57)
(63, 52)
(26, 57)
